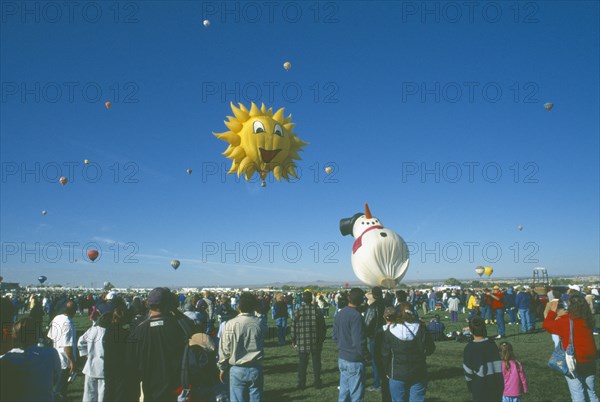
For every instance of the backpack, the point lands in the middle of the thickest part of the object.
(198, 368)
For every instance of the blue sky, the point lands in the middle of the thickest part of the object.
(433, 116)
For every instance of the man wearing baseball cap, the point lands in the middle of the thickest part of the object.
(156, 348)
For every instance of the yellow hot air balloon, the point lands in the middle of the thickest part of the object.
(488, 271)
(328, 169)
(261, 141)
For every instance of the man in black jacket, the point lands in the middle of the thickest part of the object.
(374, 322)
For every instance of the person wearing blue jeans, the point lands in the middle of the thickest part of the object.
(523, 302)
(349, 333)
(241, 351)
(405, 391)
(280, 314)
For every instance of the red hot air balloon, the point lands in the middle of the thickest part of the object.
(346, 285)
(63, 180)
(93, 254)
(108, 105)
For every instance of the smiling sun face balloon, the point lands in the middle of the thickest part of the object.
(261, 141)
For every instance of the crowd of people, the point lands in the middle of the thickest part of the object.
(204, 346)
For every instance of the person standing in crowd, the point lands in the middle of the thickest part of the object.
(482, 364)
(155, 348)
(453, 306)
(406, 344)
(583, 386)
(37, 313)
(498, 307)
(281, 315)
(374, 322)
(515, 382)
(28, 372)
(485, 305)
(349, 333)
(308, 334)
(118, 382)
(90, 346)
(241, 351)
(534, 306)
(62, 333)
(523, 302)
(510, 306)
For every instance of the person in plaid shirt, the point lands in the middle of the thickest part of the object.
(308, 334)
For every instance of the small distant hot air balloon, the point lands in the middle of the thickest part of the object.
(86, 161)
(328, 169)
(287, 65)
(548, 106)
(346, 285)
(108, 104)
(63, 180)
(479, 270)
(189, 171)
(488, 271)
(175, 264)
(206, 23)
(44, 212)
(42, 278)
(93, 254)
(520, 227)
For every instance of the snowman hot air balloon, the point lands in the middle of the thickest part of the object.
(379, 256)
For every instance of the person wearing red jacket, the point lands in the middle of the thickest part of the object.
(498, 307)
(582, 387)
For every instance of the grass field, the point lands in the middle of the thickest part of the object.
(445, 369)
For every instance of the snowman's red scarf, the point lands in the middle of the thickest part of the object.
(358, 242)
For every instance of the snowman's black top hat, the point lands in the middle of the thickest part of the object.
(346, 224)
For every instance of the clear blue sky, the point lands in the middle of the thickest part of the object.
(418, 110)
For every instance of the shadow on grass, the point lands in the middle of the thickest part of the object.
(445, 373)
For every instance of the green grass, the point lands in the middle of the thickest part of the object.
(445, 369)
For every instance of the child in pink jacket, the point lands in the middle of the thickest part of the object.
(515, 382)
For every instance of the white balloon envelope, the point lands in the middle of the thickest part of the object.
(379, 256)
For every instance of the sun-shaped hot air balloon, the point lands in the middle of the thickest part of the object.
(287, 65)
(261, 141)
(93, 254)
(479, 270)
(63, 180)
(175, 264)
(488, 271)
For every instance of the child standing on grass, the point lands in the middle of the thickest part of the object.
(515, 381)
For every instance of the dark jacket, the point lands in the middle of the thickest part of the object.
(405, 347)
(374, 317)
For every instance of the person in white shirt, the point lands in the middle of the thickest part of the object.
(62, 333)
(90, 345)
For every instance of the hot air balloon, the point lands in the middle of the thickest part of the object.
(488, 271)
(287, 65)
(86, 161)
(261, 141)
(479, 270)
(520, 227)
(175, 264)
(189, 171)
(44, 212)
(93, 254)
(206, 23)
(379, 255)
(63, 180)
(108, 104)
(42, 278)
(346, 285)
(328, 169)
(548, 106)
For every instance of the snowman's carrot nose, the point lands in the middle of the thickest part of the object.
(367, 212)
